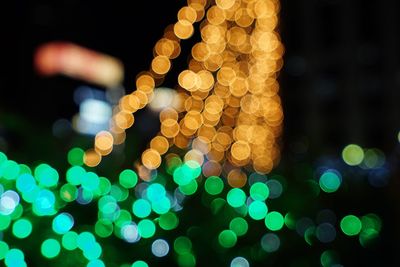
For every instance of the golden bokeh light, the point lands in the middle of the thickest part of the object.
(151, 159)
(225, 4)
(226, 114)
(187, 13)
(161, 64)
(170, 128)
(183, 29)
(91, 158)
(124, 120)
(240, 150)
(104, 142)
(188, 80)
(145, 83)
(237, 178)
(160, 144)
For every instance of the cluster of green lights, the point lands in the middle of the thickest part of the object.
(185, 176)
(367, 227)
(354, 155)
(239, 226)
(183, 248)
(62, 223)
(149, 210)
(14, 257)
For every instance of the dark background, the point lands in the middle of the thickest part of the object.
(340, 85)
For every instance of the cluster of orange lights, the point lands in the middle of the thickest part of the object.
(227, 114)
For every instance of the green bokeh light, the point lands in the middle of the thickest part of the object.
(227, 238)
(155, 192)
(168, 221)
(50, 248)
(85, 240)
(258, 210)
(24, 169)
(350, 225)
(172, 164)
(368, 237)
(353, 155)
(187, 172)
(373, 158)
(3, 157)
(22, 228)
(25, 183)
(44, 203)
(236, 197)
(62, 223)
(239, 226)
(69, 240)
(68, 192)
(3, 246)
(30, 196)
(46, 175)
(182, 245)
(371, 221)
(161, 206)
(90, 181)
(217, 205)
(329, 258)
(17, 213)
(119, 193)
(95, 263)
(329, 181)
(274, 221)
(75, 156)
(123, 218)
(259, 191)
(92, 251)
(140, 264)
(190, 188)
(104, 186)
(75, 175)
(141, 208)
(103, 228)
(187, 260)
(128, 178)
(14, 257)
(214, 185)
(5, 221)
(9, 169)
(146, 228)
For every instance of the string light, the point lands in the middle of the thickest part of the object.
(238, 99)
(166, 49)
